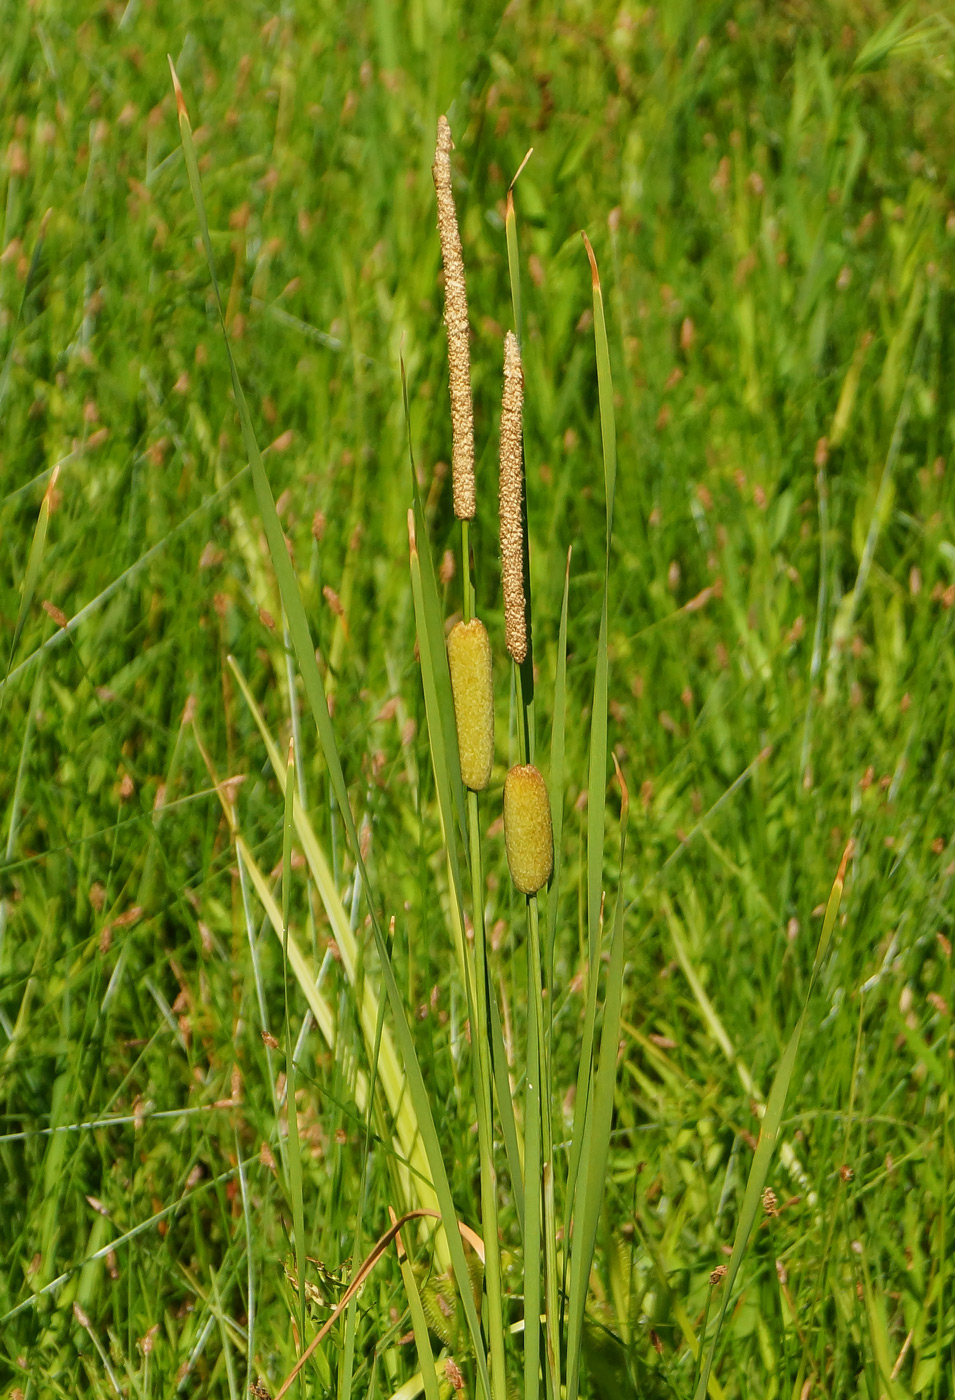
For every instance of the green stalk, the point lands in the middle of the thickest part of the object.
(467, 590)
(523, 726)
(532, 1176)
(538, 1131)
(513, 262)
(294, 1146)
(551, 1305)
(494, 1329)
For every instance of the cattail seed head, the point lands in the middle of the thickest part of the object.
(469, 659)
(528, 835)
(456, 322)
(511, 497)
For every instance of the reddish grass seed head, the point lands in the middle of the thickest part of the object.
(528, 835)
(469, 660)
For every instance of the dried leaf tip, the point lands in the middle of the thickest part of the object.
(594, 274)
(511, 496)
(177, 88)
(456, 322)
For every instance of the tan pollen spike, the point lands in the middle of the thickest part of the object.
(511, 497)
(456, 322)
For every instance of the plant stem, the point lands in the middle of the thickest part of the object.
(494, 1328)
(532, 1173)
(467, 590)
(547, 1159)
(494, 1323)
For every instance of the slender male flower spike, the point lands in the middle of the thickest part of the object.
(528, 834)
(511, 496)
(469, 659)
(456, 321)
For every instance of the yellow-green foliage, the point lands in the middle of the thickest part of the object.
(527, 828)
(469, 659)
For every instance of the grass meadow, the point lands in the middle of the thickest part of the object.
(241, 984)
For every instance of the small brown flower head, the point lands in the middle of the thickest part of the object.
(512, 492)
(469, 659)
(528, 835)
(456, 322)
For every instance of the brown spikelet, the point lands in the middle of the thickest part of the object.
(512, 491)
(456, 321)
(528, 834)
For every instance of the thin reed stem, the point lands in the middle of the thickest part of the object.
(494, 1328)
(494, 1322)
(467, 587)
(532, 1176)
(549, 1239)
(523, 718)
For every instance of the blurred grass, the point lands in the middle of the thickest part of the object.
(769, 197)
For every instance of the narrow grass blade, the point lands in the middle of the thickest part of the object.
(769, 1128)
(557, 739)
(513, 263)
(513, 1145)
(608, 425)
(597, 774)
(294, 1145)
(34, 563)
(443, 745)
(592, 1181)
(347, 1369)
(429, 618)
(381, 1052)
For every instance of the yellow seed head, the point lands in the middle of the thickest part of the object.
(512, 492)
(469, 658)
(528, 835)
(456, 322)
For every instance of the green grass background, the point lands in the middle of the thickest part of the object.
(767, 188)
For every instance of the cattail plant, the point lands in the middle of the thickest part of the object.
(528, 836)
(511, 498)
(469, 664)
(456, 322)
(469, 661)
